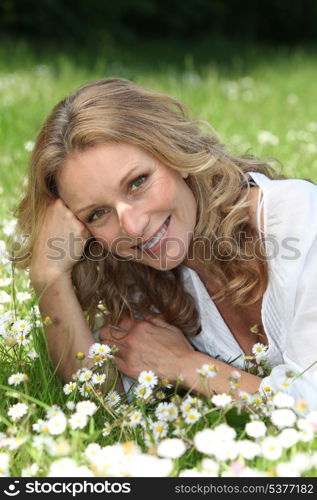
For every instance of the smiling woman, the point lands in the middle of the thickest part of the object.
(133, 205)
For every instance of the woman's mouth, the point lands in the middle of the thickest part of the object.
(155, 242)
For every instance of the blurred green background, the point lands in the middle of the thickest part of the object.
(249, 68)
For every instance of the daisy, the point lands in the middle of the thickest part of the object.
(166, 411)
(86, 390)
(17, 378)
(208, 371)
(33, 354)
(283, 400)
(159, 429)
(21, 339)
(17, 411)
(288, 437)
(85, 375)
(57, 424)
(192, 416)
(86, 408)
(70, 387)
(271, 448)
(78, 421)
(106, 429)
(221, 400)
(98, 378)
(135, 418)
(142, 392)
(147, 379)
(21, 327)
(259, 351)
(171, 448)
(255, 429)
(112, 398)
(99, 351)
(283, 417)
(4, 465)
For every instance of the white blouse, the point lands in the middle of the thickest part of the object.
(289, 305)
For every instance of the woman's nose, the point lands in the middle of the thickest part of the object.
(134, 221)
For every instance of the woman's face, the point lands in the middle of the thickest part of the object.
(126, 197)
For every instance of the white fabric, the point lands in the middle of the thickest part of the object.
(289, 306)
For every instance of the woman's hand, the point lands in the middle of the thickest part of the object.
(58, 246)
(150, 344)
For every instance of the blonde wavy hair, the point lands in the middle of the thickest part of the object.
(117, 110)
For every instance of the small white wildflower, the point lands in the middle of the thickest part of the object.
(206, 441)
(135, 418)
(17, 411)
(159, 429)
(271, 448)
(70, 387)
(85, 375)
(142, 392)
(209, 467)
(166, 411)
(17, 378)
(33, 354)
(67, 467)
(148, 379)
(260, 351)
(171, 448)
(98, 378)
(78, 421)
(70, 405)
(248, 449)
(113, 398)
(283, 417)
(221, 400)
(192, 416)
(28, 146)
(283, 400)
(106, 429)
(208, 371)
(86, 408)
(225, 432)
(92, 451)
(287, 469)
(57, 424)
(4, 465)
(86, 390)
(288, 437)
(99, 352)
(255, 429)
(23, 296)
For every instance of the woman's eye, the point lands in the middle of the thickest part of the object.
(138, 181)
(96, 215)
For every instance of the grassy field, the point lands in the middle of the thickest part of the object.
(258, 99)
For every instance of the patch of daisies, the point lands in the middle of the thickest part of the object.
(154, 429)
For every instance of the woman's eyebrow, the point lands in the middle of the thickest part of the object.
(121, 183)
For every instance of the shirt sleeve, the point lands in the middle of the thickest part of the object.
(301, 342)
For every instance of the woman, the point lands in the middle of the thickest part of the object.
(132, 205)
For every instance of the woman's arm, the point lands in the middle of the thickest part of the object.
(50, 275)
(68, 331)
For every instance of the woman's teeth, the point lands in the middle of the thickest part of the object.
(157, 238)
